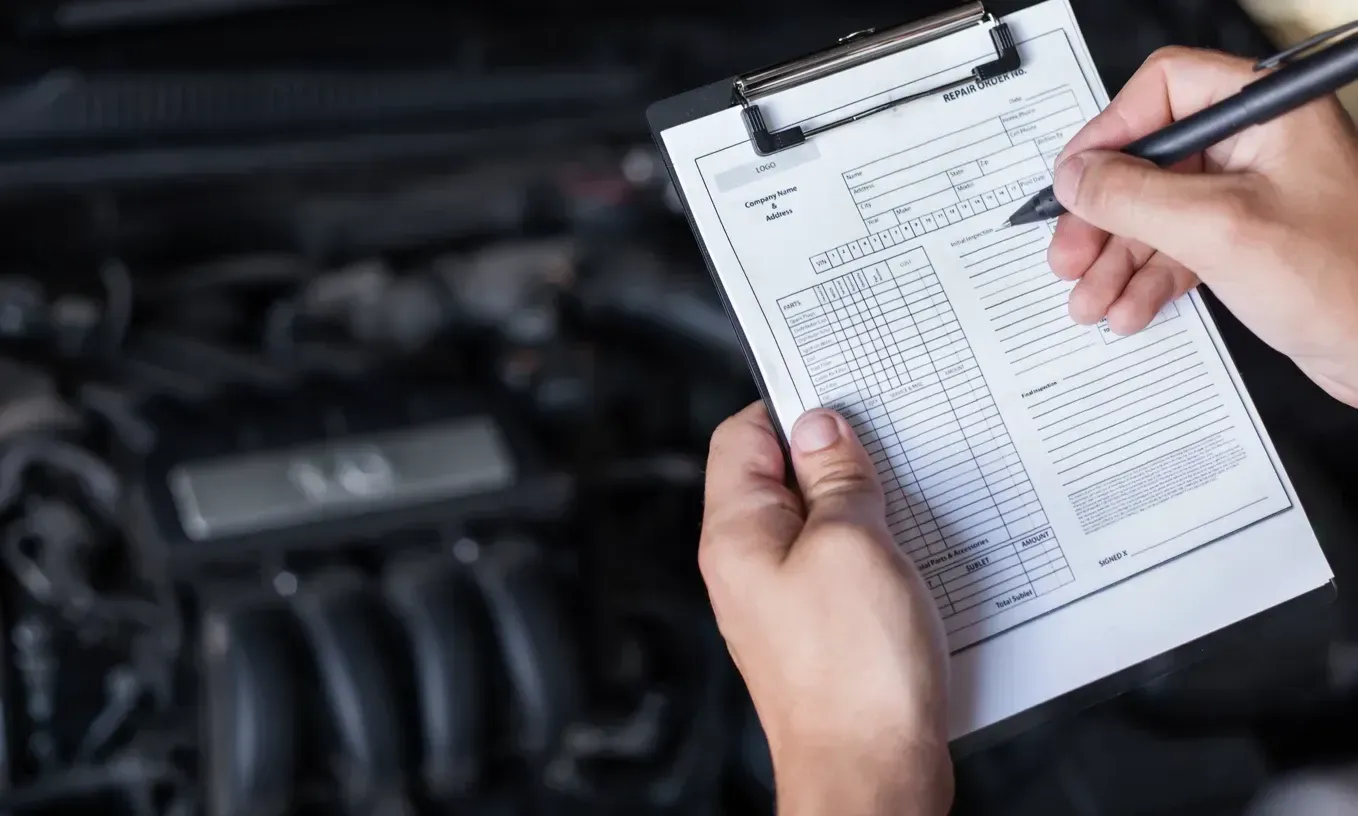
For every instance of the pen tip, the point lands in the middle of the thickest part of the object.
(1006, 225)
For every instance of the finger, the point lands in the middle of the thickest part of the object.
(749, 512)
(1172, 84)
(1102, 285)
(1159, 282)
(837, 479)
(1188, 216)
(1074, 248)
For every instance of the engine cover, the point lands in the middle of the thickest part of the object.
(231, 480)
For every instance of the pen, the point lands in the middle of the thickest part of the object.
(1297, 83)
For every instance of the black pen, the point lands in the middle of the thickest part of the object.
(1297, 83)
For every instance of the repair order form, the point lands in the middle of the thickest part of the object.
(1056, 484)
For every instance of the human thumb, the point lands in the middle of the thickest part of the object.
(1179, 214)
(837, 478)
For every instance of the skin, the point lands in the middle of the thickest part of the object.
(829, 625)
(1264, 219)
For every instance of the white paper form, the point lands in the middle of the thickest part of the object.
(1035, 470)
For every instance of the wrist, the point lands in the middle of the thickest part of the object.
(1339, 378)
(904, 780)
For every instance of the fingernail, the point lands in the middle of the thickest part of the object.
(1067, 182)
(815, 431)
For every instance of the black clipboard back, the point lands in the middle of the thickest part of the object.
(673, 112)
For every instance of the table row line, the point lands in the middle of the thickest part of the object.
(982, 509)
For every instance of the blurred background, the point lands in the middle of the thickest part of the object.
(357, 369)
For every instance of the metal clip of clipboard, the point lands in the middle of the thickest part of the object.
(857, 49)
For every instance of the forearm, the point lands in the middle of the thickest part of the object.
(896, 783)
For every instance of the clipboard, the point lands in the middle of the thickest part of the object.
(768, 138)
(850, 51)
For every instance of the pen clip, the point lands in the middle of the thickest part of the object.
(1291, 54)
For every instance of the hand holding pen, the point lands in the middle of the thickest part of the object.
(1299, 82)
(1266, 218)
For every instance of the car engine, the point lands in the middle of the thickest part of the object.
(318, 532)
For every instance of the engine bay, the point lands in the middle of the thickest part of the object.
(382, 480)
(353, 427)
